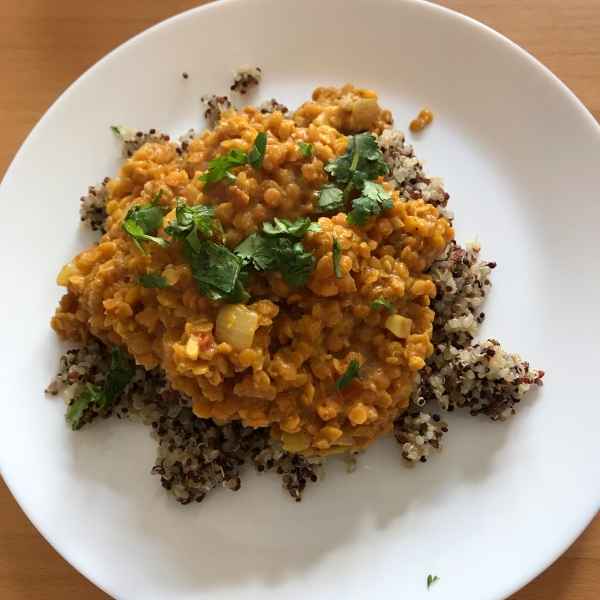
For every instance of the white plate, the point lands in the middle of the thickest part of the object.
(521, 159)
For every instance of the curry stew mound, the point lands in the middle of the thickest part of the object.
(299, 340)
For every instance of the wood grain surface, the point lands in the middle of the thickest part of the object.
(45, 46)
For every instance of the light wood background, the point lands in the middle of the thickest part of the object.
(45, 45)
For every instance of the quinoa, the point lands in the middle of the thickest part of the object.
(194, 456)
(133, 140)
(272, 105)
(93, 207)
(213, 107)
(245, 79)
(407, 173)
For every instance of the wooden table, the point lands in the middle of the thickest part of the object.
(45, 46)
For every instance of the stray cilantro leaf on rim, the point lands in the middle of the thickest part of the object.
(337, 254)
(330, 198)
(383, 302)
(306, 149)
(152, 280)
(346, 378)
(431, 579)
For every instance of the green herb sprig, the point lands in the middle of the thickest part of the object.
(358, 168)
(191, 220)
(337, 254)
(142, 218)
(273, 251)
(431, 579)
(117, 379)
(221, 167)
(152, 280)
(306, 149)
(346, 378)
(383, 302)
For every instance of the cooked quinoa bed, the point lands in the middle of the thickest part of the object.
(283, 370)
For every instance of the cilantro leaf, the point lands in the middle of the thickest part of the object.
(221, 167)
(91, 393)
(117, 378)
(157, 197)
(306, 149)
(337, 254)
(330, 198)
(258, 250)
(297, 228)
(361, 162)
(257, 154)
(139, 236)
(346, 378)
(431, 579)
(148, 218)
(383, 302)
(152, 280)
(216, 270)
(190, 220)
(294, 262)
(116, 130)
(373, 199)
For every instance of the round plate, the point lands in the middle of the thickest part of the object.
(521, 160)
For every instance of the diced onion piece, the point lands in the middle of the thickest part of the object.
(65, 273)
(236, 325)
(365, 112)
(400, 326)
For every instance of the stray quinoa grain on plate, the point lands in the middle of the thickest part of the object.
(273, 274)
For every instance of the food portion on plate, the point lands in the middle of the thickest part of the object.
(280, 287)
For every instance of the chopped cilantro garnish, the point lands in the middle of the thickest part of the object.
(258, 250)
(217, 270)
(138, 235)
(337, 254)
(257, 154)
(306, 149)
(361, 162)
(193, 219)
(383, 302)
(294, 262)
(346, 378)
(91, 393)
(330, 198)
(431, 579)
(373, 199)
(267, 254)
(296, 228)
(116, 130)
(152, 280)
(117, 378)
(221, 167)
(157, 197)
(359, 166)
